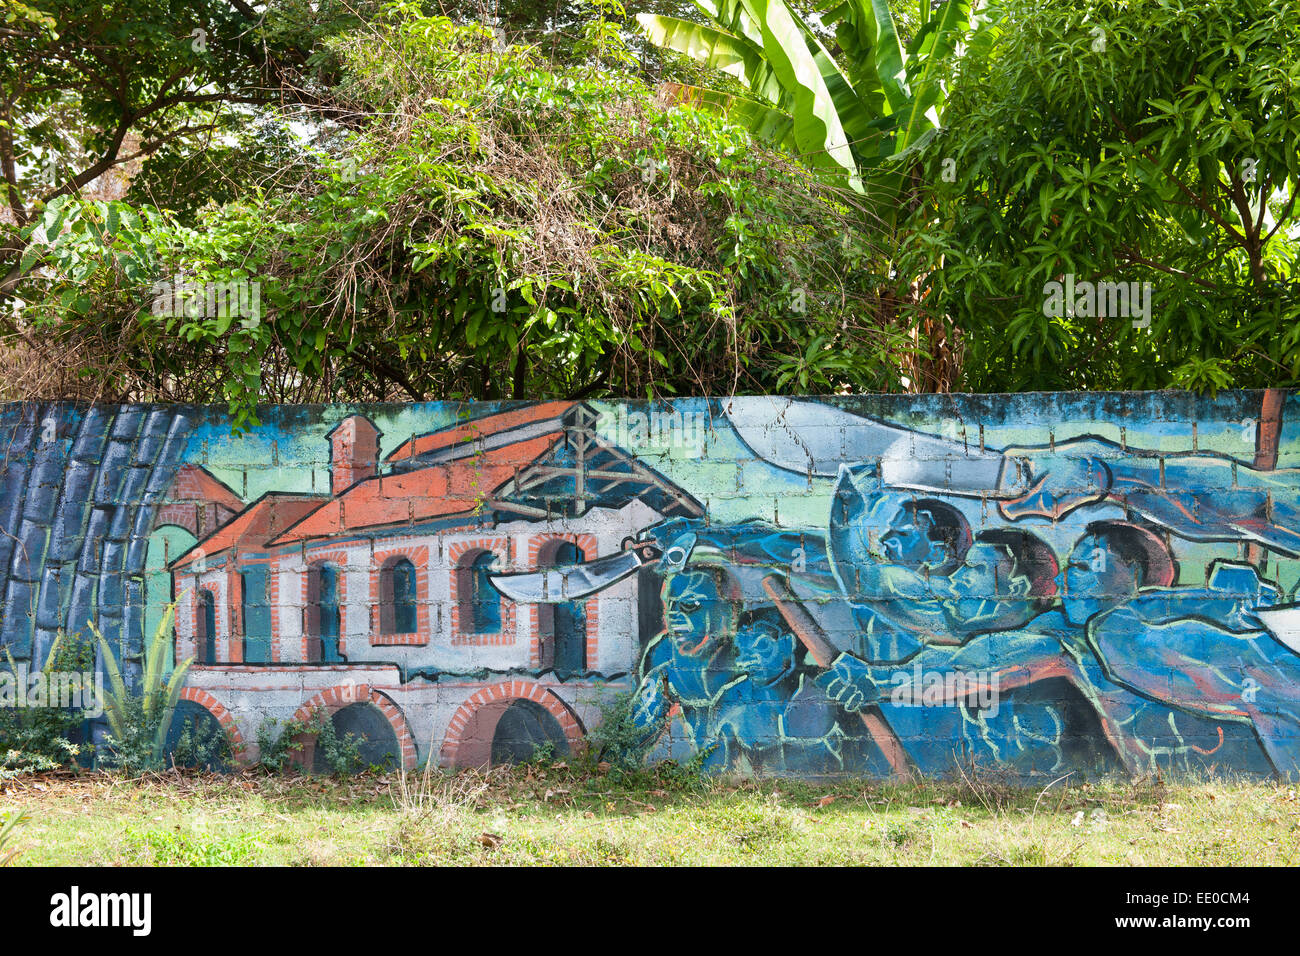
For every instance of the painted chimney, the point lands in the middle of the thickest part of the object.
(354, 452)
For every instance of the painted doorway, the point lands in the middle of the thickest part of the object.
(563, 627)
(324, 614)
(205, 645)
(525, 728)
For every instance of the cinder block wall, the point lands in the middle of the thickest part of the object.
(876, 585)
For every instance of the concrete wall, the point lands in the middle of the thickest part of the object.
(1029, 584)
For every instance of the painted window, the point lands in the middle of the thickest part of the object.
(205, 642)
(397, 598)
(486, 599)
(324, 614)
(480, 603)
(562, 636)
(256, 617)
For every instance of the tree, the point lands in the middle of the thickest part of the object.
(489, 226)
(1151, 144)
(86, 87)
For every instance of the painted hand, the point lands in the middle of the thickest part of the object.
(848, 682)
(674, 539)
(650, 707)
(1250, 592)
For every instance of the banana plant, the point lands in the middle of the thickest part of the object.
(855, 110)
(158, 699)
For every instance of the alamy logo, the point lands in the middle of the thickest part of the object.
(925, 688)
(75, 909)
(79, 690)
(1092, 300)
(642, 431)
(238, 298)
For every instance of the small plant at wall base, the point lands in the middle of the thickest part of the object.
(618, 739)
(139, 722)
(622, 744)
(204, 746)
(44, 738)
(280, 751)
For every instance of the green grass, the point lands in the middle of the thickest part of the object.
(555, 814)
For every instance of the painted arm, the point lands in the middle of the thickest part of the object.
(903, 598)
(993, 662)
(1233, 500)
(651, 705)
(1196, 665)
(1203, 667)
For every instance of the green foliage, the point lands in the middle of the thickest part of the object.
(41, 738)
(140, 718)
(203, 745)
(1119, 141)
(852, 110)
(283, 746)
(10, 820)
(619, 747)
(496, 227)
(618, 740)
(176, 847)
(86, 86)
(543, 753)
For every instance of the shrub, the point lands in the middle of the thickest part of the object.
(341, 753)
(45, 738)
(140, 722)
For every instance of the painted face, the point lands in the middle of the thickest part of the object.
(859, 506)
(1095, 580)
(985, 591)
(907, 542)
(697, 615)
(766, 654)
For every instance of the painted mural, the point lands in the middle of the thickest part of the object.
(868, 586)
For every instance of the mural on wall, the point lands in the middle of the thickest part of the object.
(881, 585)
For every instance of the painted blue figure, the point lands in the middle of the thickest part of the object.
(1050, 481)
(884, 559)
(730, 667)
(776, 720)
(1030, 727)
(891, 554)
(1006, 580)
(1207, 651)
(692, 662)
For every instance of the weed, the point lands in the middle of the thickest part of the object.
(619, 739)
(284, 745)
(204, 745)
(45, 738)
(179, 848)
(899, 834)
(10, 821)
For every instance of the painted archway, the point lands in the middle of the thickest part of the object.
(335, 698)
(224, 717)
(473, 727)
